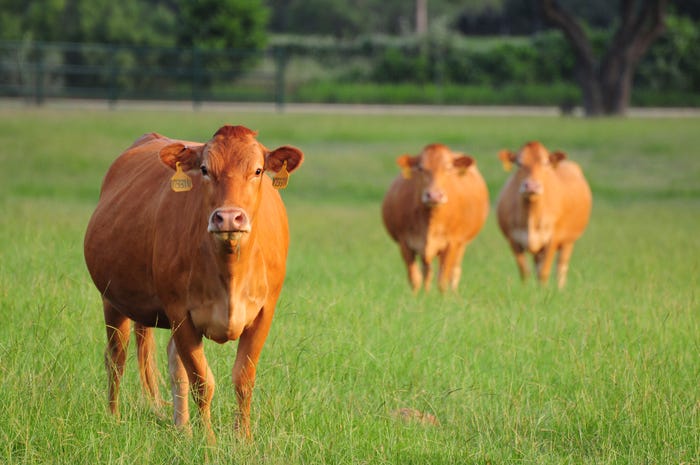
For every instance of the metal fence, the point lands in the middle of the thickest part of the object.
(37, 71)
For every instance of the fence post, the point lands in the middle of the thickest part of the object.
(196, 77)
(280, 68)
(39, 76)
(112, 90)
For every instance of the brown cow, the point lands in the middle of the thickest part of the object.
(203, 254)
(435, 208)
(543, 208)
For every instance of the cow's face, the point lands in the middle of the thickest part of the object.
(535, 164)
(432, 171)
(232, 165)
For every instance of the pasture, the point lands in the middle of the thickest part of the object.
(606, 371)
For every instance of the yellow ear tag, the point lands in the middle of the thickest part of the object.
(507, 164)
(180, 182)
(406, 172)
(281, 179)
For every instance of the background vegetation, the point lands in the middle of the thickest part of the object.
(604, 372)
(485, 52)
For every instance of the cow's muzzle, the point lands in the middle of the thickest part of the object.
(531, 187)
(229, 223)
(433, 197)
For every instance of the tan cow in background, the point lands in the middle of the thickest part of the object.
(191, 237)
(435, 207)
(543, 208)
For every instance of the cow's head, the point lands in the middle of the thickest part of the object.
(232, 165)
(534, 164)
(432, 170)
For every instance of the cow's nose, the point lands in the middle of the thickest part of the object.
(229, 219)
(434, 196)
(531, 187)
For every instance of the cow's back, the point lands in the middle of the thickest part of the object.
(120, 235)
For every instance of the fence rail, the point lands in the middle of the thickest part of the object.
(40, 70)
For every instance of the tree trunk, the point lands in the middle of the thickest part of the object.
(606, 85)
(421, 17)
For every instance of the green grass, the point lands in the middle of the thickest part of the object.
(604, 372)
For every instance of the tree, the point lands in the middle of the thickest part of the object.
(226, 37)
(223, 24)
(606, 83)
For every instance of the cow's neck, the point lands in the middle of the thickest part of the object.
(236, 257)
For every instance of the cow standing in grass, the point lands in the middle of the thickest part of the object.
(191, 237)
(543, 208)
(435, 207)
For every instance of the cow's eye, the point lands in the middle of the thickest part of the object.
(258, 172)
(204, 170)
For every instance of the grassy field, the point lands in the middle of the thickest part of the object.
(605, 372)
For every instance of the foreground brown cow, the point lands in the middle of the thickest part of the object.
(543, 208)
(435, 208)
(202, 254)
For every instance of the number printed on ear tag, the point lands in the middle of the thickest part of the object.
(281, 179)
(180, 182)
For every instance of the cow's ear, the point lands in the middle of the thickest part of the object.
(406, 163)
(188, 157)
(507, 159)
(556, 157)
(275, 160)
(462, 163)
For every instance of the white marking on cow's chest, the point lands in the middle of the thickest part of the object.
(225, 317)
(532, 238)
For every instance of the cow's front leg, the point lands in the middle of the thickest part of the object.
(179, 386)
(427, 265)
(563, 263)
(189, 346)
(450, 267)
(118, 328)
(249, 347)
(544, 259)
(521, 261)
(415, 276)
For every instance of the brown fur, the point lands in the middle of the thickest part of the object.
(543, 208)
(153, 260)
(435, 212)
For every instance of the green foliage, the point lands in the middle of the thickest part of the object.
(222, 24)
(673, 62)
(403, 93)
(338, 18)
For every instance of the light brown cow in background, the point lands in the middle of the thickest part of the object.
(435, 208)
(543, 208)
(191, 237)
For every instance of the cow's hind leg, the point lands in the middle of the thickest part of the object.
(118, 328)
(148, 371)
